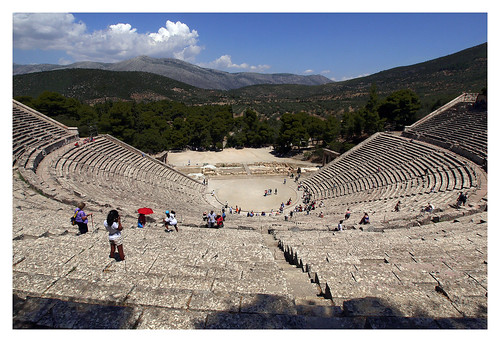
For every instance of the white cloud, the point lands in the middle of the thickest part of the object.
(59, 31)
(346, 78)
(46, 31)
(308, 71)
(64, 61)
(225, 63)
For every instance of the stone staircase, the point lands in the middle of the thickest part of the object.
(197, 278)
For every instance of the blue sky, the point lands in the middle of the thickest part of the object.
(337, 45)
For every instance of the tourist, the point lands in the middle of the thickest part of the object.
(220, 221)
(275, 191)
(211, 219)
(429, 208)
(114, 227)
(81, 219)
(365, 219)
(170, 220)
(141, 221)
(347, 214)
(462, 198)
(339, 226)
(397, 207)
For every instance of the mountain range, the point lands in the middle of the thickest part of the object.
(183, 72)
(435, 82)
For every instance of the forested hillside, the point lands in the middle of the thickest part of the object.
(155, 113)
(155, 126)
(435, 82)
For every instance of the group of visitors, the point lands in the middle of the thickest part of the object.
(214, 220)
(113, 225)
(364, 220)
(268, 192)
(305, 208)
(85, 141)
(234, 211)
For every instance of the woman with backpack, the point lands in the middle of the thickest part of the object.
(81, 219)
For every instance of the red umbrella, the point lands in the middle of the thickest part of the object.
(145, 211)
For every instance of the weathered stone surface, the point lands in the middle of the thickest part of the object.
(30, 283)
(215, 301)
(58, 314)
(400, 323)
(272, 304)
(163, 318)
(230, 278)
(162, 297)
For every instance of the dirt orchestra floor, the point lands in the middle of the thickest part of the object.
(243, 190)
(248, 193)
(228, 155)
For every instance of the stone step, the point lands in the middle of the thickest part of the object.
(317, 307)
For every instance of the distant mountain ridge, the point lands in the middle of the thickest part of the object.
(184, 72)
(435, 82)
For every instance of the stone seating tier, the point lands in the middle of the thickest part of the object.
(105, 172)
(457, 126)
(33, 133)
(206, 278)
(453, 284)
(397, 167)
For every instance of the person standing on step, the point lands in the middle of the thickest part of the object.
(114, 227)
(81, 219)
(397, 207)
(211, 219)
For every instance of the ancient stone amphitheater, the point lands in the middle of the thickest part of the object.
(406, 269)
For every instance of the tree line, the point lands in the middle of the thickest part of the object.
(168, 125)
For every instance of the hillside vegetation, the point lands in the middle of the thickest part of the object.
(435, 82)
(155, 113)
